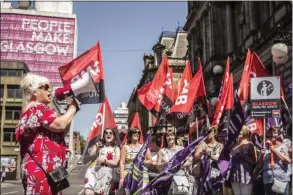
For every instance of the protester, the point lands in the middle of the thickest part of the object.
(243, 162)
(129, 152)
(212, 148)
(167, 152)
(40, 133)
(276, 162)
(100, 173)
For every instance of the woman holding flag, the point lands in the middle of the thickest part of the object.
(128, 154)
(212, 149)
(167, 152)
(99, 175)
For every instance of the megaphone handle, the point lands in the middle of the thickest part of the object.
(77, 104)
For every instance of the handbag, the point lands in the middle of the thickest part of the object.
(115, 173)
(180, 185)
(278, 186)
(57, 178)
(196, 170)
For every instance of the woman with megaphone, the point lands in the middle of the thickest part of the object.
(40, 133)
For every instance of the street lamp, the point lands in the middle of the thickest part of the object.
(280, 53)
(217, 69)
(214, 101)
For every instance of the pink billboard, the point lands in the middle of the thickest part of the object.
(43, 43)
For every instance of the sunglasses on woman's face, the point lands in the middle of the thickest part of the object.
(108, 133)
(45, 87)
(136, 132)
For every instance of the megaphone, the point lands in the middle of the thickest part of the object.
(83, 85)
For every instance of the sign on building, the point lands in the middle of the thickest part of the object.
(44, 43)
(265, 97)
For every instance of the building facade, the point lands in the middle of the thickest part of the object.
(76, 143)
(121, 117)
(11, 103)
(217, 30)
(172, 44)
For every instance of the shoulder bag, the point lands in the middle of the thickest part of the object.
(278, 186)
(57, 178)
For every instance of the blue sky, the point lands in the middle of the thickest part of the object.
(122, 27)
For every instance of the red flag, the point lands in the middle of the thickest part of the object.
(243, 91)
(253, 68)
(185, 78)
(104, 119)
(226, 112)
(74, 70)
(166, 100)
(181, 109)
(222, 95)
(149, 94)
(134, 123)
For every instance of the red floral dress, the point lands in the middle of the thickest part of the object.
(47, 147)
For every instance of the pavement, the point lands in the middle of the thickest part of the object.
(76, 181)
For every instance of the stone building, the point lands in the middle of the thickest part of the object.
(217, 30)
(172, 44)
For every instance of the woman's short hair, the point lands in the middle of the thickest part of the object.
(131, 131)
(114, 141)
(275, 128)
(30, 83)
(245, 132)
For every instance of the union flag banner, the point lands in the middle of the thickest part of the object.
(89, 61)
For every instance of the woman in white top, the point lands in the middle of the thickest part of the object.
(167, 152)
(99, 174)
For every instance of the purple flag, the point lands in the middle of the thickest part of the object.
(161, 184)
(234, 128)
(133, 180)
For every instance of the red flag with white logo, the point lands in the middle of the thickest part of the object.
(91, 60)
(165, 101)
(134, 123)
(104, 120)
(185, 78)
(150, 93)
(222, 95)
(181, 109)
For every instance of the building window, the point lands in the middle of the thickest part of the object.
(12, 114)
(11, 73)
(14, 91)
(159, 58)
(8, 134)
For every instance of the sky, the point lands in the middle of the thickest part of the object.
(126, 30)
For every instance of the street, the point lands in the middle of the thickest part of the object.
(76, 180)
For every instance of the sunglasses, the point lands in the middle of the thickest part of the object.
(45, 87)
(108, 133)
(136, 132)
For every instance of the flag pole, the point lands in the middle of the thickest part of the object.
(264, 132)
(196, 122)
(103, 124)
